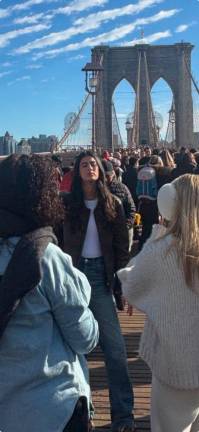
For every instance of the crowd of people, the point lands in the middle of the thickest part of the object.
(67, 264)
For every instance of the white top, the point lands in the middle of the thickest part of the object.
(154, 282)
(91, 246)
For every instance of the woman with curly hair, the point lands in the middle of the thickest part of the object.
(45, 323)
(96, 237)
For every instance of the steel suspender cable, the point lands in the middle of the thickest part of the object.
(136, 120)
(71, 127)
(190, 74)
(150, 112)
(115, 120)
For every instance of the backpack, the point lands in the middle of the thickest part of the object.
(147, 183)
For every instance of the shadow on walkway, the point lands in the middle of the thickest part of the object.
(138, 370)
(143, 425)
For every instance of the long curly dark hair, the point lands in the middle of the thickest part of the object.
(105, 198)
(29, 189)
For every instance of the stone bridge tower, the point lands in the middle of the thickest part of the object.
(163, 61)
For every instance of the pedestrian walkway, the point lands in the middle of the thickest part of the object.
(139, 372)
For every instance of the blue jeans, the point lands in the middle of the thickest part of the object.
(111, 342)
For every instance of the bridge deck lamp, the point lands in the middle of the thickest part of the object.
(172, 119)
(93, 73)
(172, 115)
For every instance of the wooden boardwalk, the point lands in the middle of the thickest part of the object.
(139, 372)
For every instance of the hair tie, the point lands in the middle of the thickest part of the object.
(167, 199)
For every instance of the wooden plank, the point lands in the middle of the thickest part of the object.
(139, 372)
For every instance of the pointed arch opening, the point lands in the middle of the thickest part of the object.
(123, 105)
(162, 98)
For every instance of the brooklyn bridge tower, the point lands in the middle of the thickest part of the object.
(142, 65)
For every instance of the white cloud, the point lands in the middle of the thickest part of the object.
(51, 39)
(4, 13)
(183, 27)
(112, 14)
(149, 39)
(23, 78)
(74, 6)
(6, 37)
(2, 74)
(46, 80)
(34, 66)
(30, 19)
(28, 4)
(55, 38)
(80, 5)
(21, 6)
(6, 64)
(111, 36)
(77, 57)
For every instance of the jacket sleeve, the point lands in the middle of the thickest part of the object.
(137, 278)
(129, 207)
(120, 238)
(68, 292)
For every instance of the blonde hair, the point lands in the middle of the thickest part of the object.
(156, 160)
(167, 159)
(185, 225)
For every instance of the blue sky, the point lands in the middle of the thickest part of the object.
(45, 43)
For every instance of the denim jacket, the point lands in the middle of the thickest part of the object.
(43, 371)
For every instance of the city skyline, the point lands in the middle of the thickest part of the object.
(45, 43)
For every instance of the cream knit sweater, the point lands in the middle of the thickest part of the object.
(154, 282)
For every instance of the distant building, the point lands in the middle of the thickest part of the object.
(23, 147)
(7, 144)
(43, 143)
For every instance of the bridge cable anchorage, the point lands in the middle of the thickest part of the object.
(153, 135)
(116, 129)
(134, 139)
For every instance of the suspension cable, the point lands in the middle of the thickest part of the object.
(77, 117)
(150, 112)
(190, 73)
(136, 119)
(116, 122)
(74, 122)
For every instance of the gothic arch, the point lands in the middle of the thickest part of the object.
(164, 77)
(162, 97)
(115, 84)
(123, 98)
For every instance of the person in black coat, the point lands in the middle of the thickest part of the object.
(185, 165)
(121, 191)
(196, 170)
(129, 178)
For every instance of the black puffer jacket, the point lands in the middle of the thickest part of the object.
(122, 192)
(129, 178)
